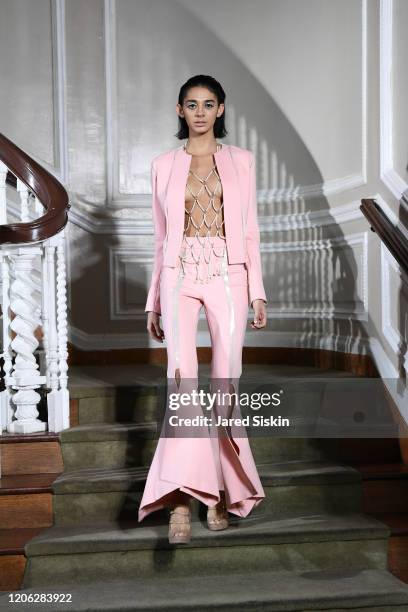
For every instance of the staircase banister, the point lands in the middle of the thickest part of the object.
(389, 234)
(47, 189)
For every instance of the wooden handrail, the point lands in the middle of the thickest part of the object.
(392, 237)
(45, 186)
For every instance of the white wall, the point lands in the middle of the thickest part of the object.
(303, 81)
(306, 56)
(26, 76)
(400, 87)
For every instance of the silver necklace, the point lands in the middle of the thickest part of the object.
(219, 145)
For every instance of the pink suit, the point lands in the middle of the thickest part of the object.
(204, 465)
(236, 168)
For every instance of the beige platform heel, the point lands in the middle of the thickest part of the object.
(217, 517)
(180, 525)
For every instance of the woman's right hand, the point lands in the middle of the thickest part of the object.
(153, 326)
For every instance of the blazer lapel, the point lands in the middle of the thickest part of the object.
(175, 201)
(232, 204)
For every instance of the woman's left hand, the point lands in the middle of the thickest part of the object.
(259, 320)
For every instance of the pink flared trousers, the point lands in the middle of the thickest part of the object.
(205, 465)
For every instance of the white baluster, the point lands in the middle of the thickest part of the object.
(32, 297)
(49, 315)
(6, 408)
(25, 301)
(45, 314)
(24, 197)
(58, 398)
(3, 201)
(38, 207)
(62, 328)
(49, 292)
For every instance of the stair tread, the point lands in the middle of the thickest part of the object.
(12, 541)
(91, 381)
(131, 535)
(377, 471)
(94, 432)
(271, 474)
(8, 437)
(314, 590)
(100, 432)
(107, 431)
(18, 484)
(398, 522)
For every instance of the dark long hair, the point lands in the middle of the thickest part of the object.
(214, 86)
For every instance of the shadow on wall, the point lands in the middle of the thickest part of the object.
(310, 271)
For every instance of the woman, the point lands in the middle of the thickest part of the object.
(206, 253)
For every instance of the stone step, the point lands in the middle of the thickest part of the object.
(84, 553)
(111, 445)
(371, 590)
(142, 404)
(100, 432)
(105, 393)
(292, 488)
(123, 404)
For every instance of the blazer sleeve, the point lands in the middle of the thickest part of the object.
(159, 224)
(255, 281)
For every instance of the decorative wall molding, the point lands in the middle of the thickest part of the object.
(330, 310)
(128, 209)
(336, 215)
(310, 192)
(118, 258)
(364, 87)
(396, 385)
(141, 256)
(390, 302)
(390, 177)
(106, 220)
(138, 221)
(97, 221)
(344, 344)
(115, 200)
(110, 93)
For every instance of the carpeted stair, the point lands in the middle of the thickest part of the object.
(306, 547)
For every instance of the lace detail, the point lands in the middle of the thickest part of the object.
(204, 246)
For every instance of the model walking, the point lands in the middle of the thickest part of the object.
(206, 253)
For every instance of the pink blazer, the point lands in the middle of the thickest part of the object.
(236, 168)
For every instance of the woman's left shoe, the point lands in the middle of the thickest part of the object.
(217, 517)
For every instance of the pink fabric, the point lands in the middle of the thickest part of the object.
(236, 168)
(203, 466)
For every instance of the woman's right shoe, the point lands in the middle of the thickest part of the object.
(180, 525)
